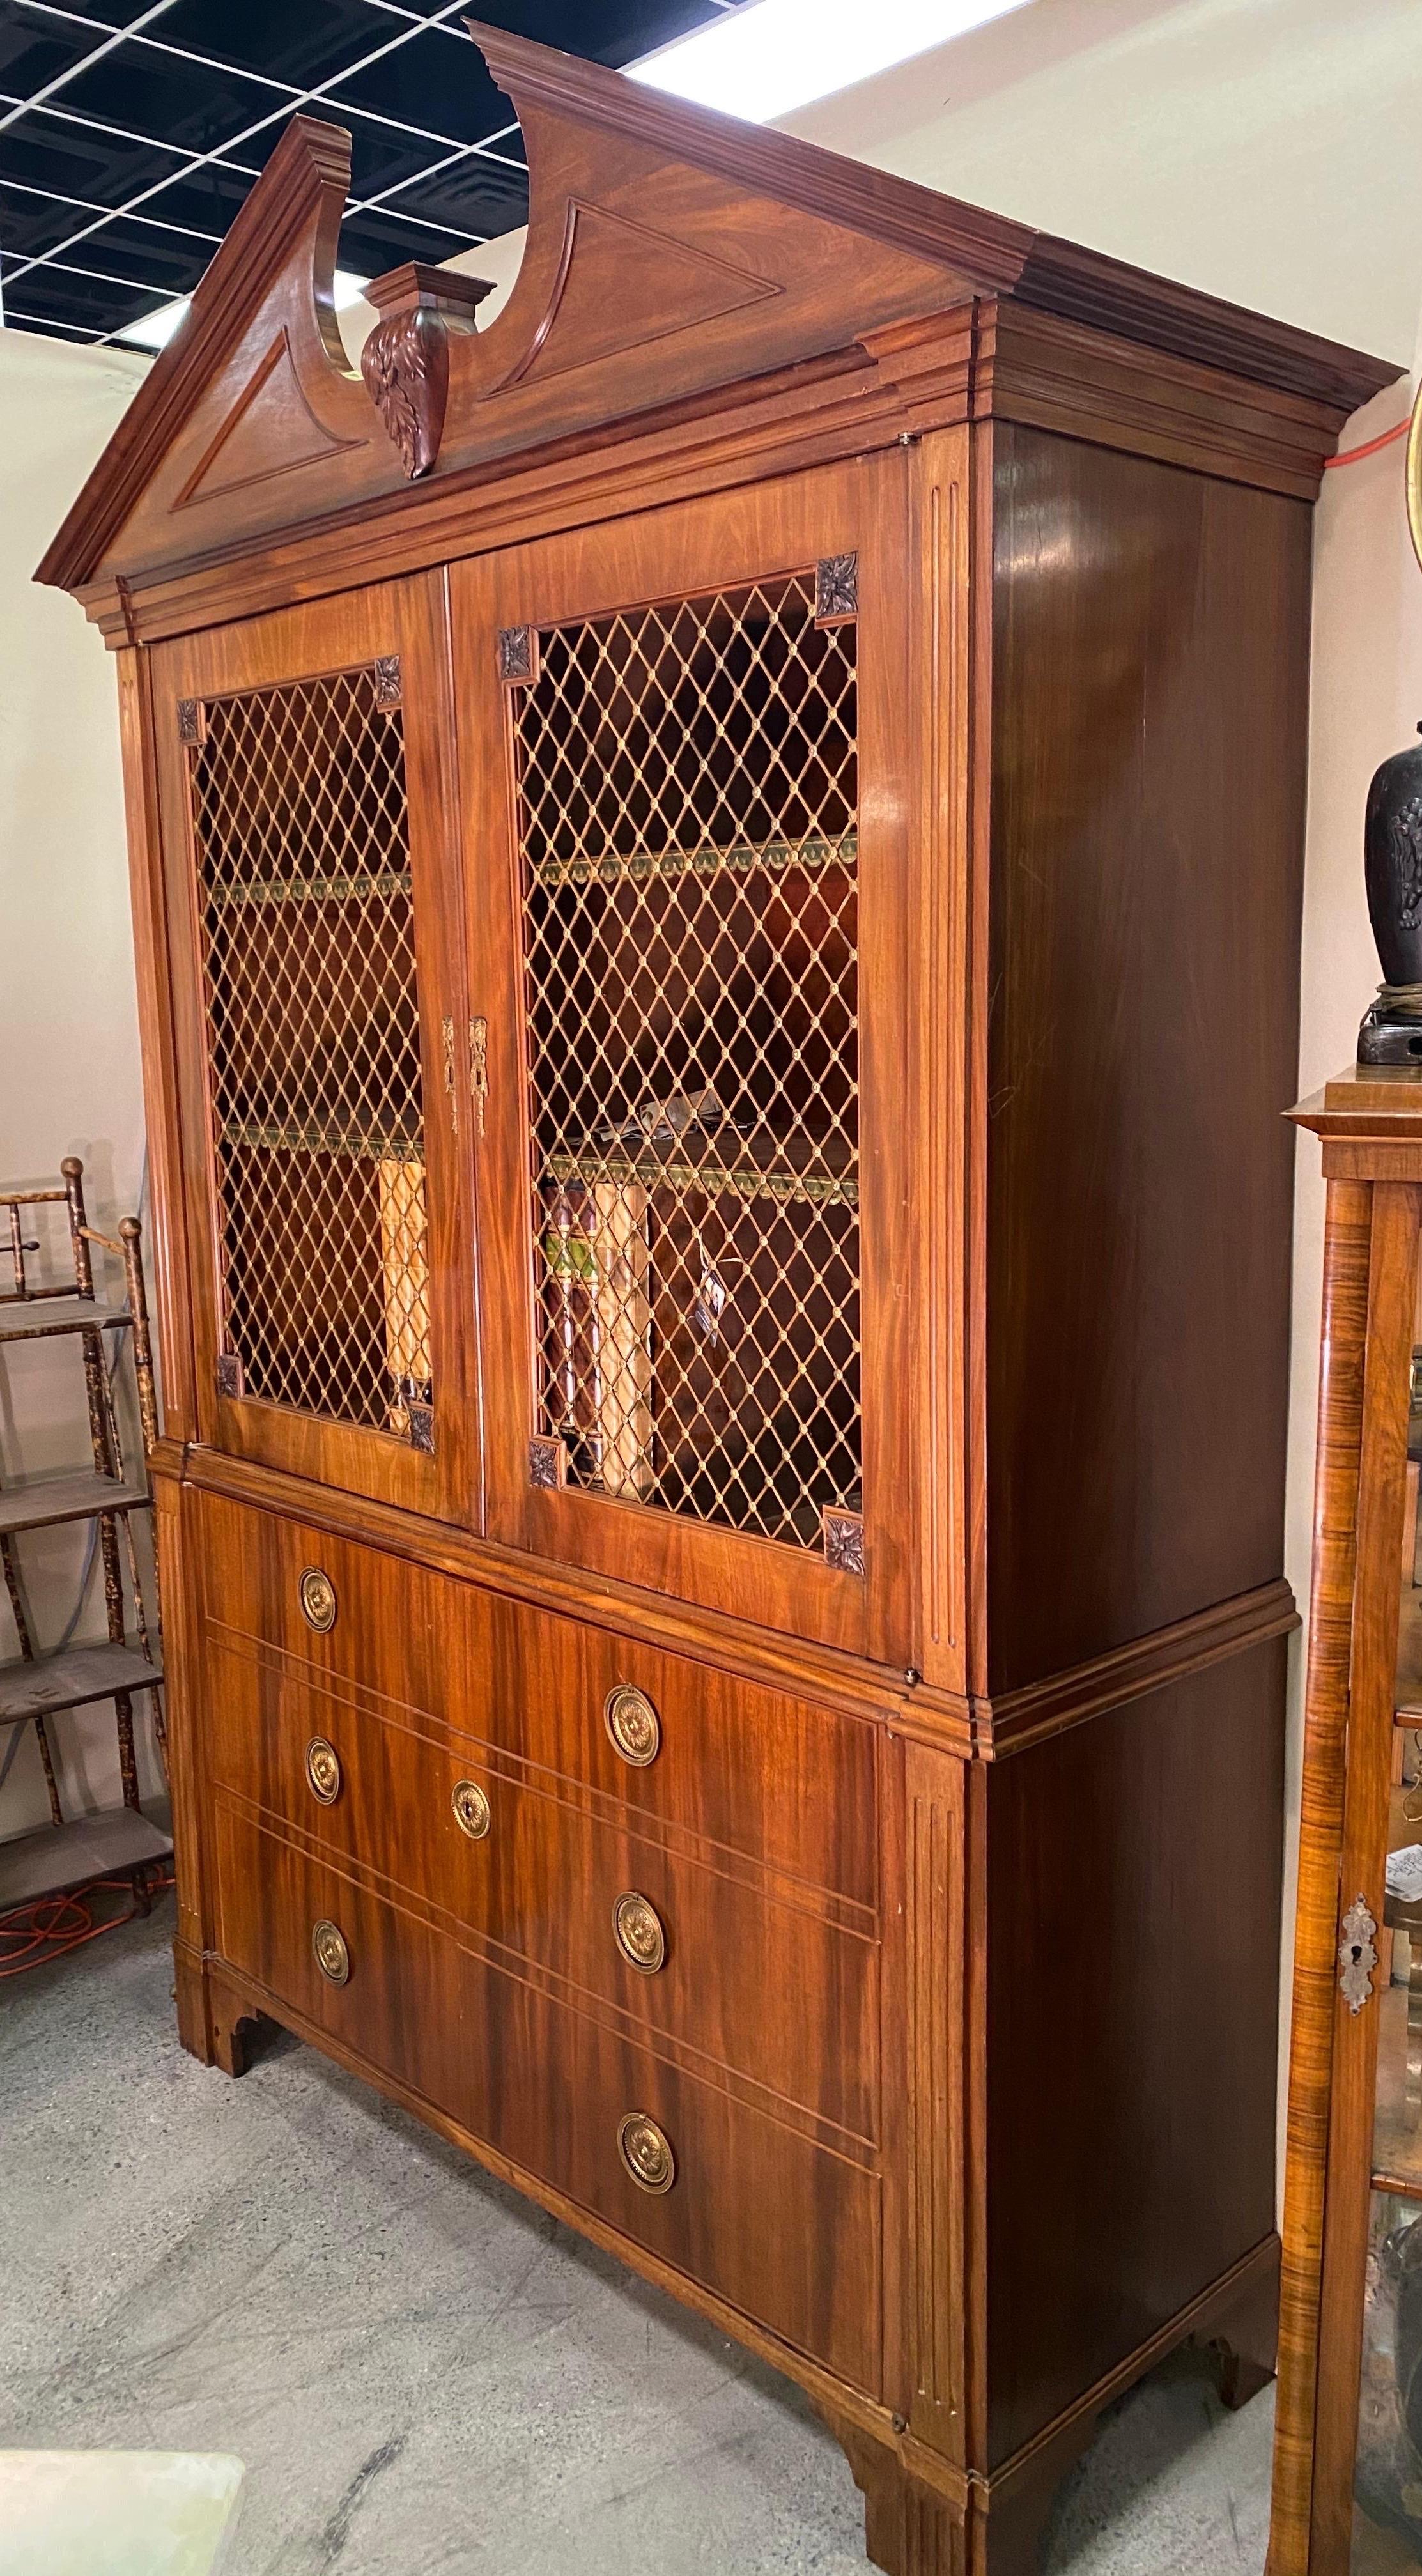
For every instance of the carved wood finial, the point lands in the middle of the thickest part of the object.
(405, 361)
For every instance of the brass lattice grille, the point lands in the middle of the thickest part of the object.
(688, 791)
(313, 1035)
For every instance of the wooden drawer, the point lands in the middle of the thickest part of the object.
(748, 1770)
(763, 1984)
(784, 2230)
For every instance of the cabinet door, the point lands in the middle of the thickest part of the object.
(687, 834)
(314, 897)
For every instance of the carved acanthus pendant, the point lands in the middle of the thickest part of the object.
(405, 363)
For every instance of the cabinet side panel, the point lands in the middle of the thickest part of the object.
(1150, 698)
(1133, 1962)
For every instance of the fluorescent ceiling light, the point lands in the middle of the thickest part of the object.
(155, 330)
(776, 55)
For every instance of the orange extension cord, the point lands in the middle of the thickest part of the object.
(31, 1935)
(1370, 446)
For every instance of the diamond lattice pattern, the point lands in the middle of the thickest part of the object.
(313, 1033)
(688, 789)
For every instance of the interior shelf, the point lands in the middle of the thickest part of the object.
(365, 888)
(362, 1143)
(794, 1168)
(707, 859)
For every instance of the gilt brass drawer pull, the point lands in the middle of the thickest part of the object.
(646, 2152)
(318, 1600)
(641, 1935)
(633, 1724)
(328, 1945)
(323, 1770)
(472, 1812)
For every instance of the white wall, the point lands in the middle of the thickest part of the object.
(1265, 150)
(69, 1073)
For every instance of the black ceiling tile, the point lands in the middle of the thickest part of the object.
(21, 319)
(188, 105)
(371, 244)
(602, 31)
(112, 13)
(30, 223)
(474, 197)
(169, 264)
(107, 305)
(206, 199)
(300, 41)
(434, 83)
(47, 152)
(35, 49)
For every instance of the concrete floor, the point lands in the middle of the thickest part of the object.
(425, 2375)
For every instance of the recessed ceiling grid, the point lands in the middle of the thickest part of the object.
(130, 136)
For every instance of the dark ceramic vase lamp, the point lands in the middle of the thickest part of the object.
(1392, 842)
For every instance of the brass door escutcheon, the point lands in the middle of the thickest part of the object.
(318, 1600)
(328, 1945)
(646, 2152)
(472, 1812)
(323, 1770)
(633, 1724)
(641, 1934)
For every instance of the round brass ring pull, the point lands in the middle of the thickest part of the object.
(646, 2152)
(323, 1770)
(328, 1944)
(472, 1812)
(633, 1724)
(641, 1934)
(318, 1600)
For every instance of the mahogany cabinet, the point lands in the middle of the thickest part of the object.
(717, 880)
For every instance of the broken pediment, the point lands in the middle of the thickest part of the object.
(671, 253)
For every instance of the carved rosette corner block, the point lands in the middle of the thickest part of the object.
(1357, 1955)
(422, 1437)
(547, 1465)
(229, 1374)
(405, 361)
(844, 1541)
(189, 720)
(836, 589)
(518, 654)
(387, 679)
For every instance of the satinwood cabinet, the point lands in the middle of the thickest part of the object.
(1348, 2443)
(717, 878)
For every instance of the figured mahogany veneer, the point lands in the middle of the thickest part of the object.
(889, 1971)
